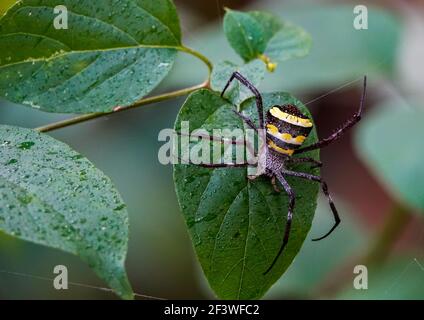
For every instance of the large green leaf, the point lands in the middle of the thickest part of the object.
(261, 35)
(254, 71)
(51, 195)
(390, 141)
(237, 225)
(113, 53)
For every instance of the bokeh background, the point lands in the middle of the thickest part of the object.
(161, 261)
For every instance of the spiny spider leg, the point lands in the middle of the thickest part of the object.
(324, 186)
(246, 83)
(346, 126)
(317, 164)
(292, 200)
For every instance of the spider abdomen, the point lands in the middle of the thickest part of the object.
(287, 128)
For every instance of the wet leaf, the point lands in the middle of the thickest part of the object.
(254, 71)
(236, 225)
(113, 53)
(261, 35)
(53, 196)
(390, 142)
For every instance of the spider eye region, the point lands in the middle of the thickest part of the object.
(287, 128)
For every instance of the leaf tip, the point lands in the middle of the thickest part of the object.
(122, 286)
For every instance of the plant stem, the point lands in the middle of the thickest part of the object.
(389, 233)
(199, 56)
(142, 102)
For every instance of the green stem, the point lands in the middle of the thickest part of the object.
(199, 56)
(142, 102)
(389, 233)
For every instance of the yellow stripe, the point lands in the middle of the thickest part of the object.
(276, 112)
(300, 139)
(286, 137)
(272, 145)
(272, 129)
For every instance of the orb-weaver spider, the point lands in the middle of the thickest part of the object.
(285, 130)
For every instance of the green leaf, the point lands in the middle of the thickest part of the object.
(112, 54)
(390, 142)
(53, 196)
(237, 225)
(261, 35)
(340, 53)
(254, 71)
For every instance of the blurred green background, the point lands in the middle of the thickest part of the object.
(161, 261)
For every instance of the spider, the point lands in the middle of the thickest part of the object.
(286, 128)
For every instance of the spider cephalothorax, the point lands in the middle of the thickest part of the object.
(286, 129)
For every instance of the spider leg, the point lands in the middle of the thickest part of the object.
(251, 87)
(316, 163)
(292, 199)
(242, 141)
(246, 120)
(346, 126)
(324, 187)
(274, 185)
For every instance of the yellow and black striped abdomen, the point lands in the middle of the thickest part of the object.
(287, 128)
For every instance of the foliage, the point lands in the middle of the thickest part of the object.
(260, 35)
(52, 195)
(397, 158)
(103, 60)
(339, 53)
(113, 56)
(236, 224)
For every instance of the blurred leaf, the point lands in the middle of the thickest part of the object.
(400, 278)
(51, 195)
(112, 54)
(254, 71)
(390, 142)
(300, 279)
(340, 53)
(261, 35)
(237, 225)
